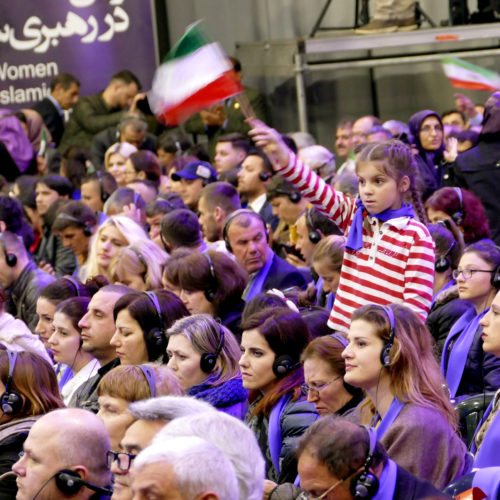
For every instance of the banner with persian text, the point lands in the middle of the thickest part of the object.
(91, 39)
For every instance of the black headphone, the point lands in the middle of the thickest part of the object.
(86, 227)
(458, 217)
(11, 402)
(265, 176)
(385, 355)
(212, 289)
(314, 234)
(104, 194)
(142, 260)
(443, 263)
(233, 216)
(10, 258)
(366, 484)
(208, 359)
(70, 483)
(149, 375)
(293, 196)
(156, 336)
(283, 365)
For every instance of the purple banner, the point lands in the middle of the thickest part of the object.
(91, 39)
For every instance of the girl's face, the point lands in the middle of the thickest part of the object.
(431, 134)
(379, 191)
(65, 340)
(477, 289)
(117, 167)
(110, 241)
(256, 362)
(362, 355)
(184, 360)
(128, 278)
(491, 328)
(328, 393)
(330, 278)
(128, 340)
(196, 302)
(113, 412)
(45, 310)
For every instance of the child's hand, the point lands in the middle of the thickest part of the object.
(270, 141)
(451, 152)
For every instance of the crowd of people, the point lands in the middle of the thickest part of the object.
(249, 316)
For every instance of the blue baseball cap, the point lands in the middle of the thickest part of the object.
(196, 170)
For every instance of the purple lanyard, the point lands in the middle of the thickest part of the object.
(274, 430)
(388, 420)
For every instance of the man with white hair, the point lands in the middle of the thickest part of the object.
(233, 437)
(184, 468)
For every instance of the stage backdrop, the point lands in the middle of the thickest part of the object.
(92, 39)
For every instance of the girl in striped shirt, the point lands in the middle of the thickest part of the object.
(389, 256)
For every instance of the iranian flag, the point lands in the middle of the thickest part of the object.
(469, 76)
(194, 75)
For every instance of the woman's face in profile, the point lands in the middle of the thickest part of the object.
(128, 340)
(184, 360)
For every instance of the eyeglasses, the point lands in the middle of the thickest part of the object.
(305, 496)
(467, 273)
(124, 459)
(306, 389)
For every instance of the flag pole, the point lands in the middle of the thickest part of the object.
(245, 106)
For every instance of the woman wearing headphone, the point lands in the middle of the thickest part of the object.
(467, 368)
(30, 390)
(271, 344)
(390, 356)
(204, 355)
(65, 344)
(141, 320)
(115, 161)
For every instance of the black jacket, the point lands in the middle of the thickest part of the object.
(53, 120)
(283, 275)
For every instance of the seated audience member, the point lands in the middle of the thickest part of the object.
(180, 228)
(125, 201)
(20, 278)
(193, 177)
(170, 276)
(167, 469)
(230, 151)
(212, 283)
(341, 459)
(75, 224)
(143, 165)
(132, 128)
(16, 336)
(113, 234)
(256, 172)
(463, 207)
(316, 319)
(12, 219)
(277, 414)
(264, 300)
(65, 344)
(399, 130)
(447, 307)
(390, 357)
(233, 437)
(72, 461)
(139, 266)
(115, 161)
(50, 253)
(150, 415)
(204, 355)
(170, 145)
(98, 327)
(146, 188)
(467, 368)
(327, 262)
(324, 371)
(155, 211)
(126, 384)
(217, 201)
(246, 237)
(453, 121)
(32, 381)
(96, 189)
(343, 146)
(347, 182)
(319, 159)
(74, 165)
(142, 320)
(378, 133)
(487, 438)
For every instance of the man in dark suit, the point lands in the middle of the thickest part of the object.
(64, 94)
(246, 237)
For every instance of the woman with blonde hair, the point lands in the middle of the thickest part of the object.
(204, 355)
(115, 160)
(390, 356)
(113, 234)
(139, 266)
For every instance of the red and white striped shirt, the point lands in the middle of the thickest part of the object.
(395, 265)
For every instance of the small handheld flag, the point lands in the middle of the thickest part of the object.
(469, 76)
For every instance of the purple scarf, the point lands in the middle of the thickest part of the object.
(355, 238)
(15, 140)
(488, 455)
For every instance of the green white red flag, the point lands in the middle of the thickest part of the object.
(194, 75)
(469, 76)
